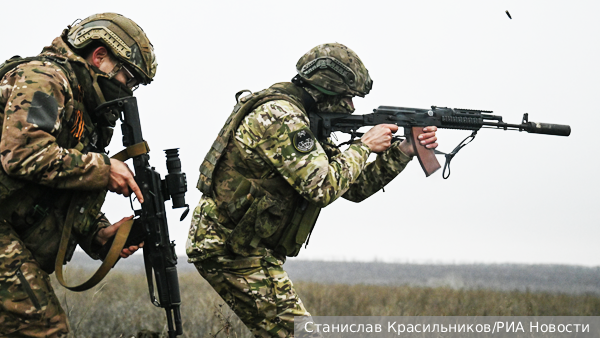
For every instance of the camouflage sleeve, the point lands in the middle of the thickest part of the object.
(37, 98)
(378, 173)
(278, 131)
(87, 241)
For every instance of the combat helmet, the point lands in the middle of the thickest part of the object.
(335, 69)
(125, 39)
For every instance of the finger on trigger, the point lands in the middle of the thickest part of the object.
(136, 190)
(393, 127)
(138, 194)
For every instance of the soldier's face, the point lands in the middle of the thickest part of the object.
(102, 59)
(108, 64)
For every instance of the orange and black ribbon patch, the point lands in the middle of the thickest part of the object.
(78, 126)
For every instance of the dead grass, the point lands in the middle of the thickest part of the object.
(120, 305)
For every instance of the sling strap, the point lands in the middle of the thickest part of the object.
(120, 237)
(107, 264)
(132, 151)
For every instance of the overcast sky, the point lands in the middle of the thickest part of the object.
(512, 197)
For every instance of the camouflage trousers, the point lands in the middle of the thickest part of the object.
(29, 307)
(258, 290)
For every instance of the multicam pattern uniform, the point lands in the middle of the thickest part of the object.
(39, 112)
(28, 150)
(256, 287)
(29, 306)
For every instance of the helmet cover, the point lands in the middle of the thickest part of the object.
(335, 69)
(123, 37)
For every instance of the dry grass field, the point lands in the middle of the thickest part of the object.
(120, 305)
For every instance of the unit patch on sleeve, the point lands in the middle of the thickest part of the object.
(43, 111)
(303, 140)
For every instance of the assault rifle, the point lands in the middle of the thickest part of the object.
(414, 119)
(150, 226)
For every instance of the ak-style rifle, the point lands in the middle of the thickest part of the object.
(150, 226)
(414, 119)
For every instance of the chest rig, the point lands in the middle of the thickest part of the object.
(263, 210)
(37, 212)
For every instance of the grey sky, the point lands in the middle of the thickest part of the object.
(512, 197)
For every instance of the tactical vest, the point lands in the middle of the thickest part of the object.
(37, 212)
(265, 211)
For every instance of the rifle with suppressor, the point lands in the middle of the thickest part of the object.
(150, 226)
(414, 119)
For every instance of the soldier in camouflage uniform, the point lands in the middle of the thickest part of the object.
(266, 178)
(53, 160)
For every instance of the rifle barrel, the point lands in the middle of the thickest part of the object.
(535, 127)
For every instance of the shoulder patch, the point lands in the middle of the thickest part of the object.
(303, 140)
(43, 111)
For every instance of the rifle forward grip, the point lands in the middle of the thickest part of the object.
(549, 128)
(426, 157)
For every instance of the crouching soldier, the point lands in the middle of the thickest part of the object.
(55, 172)
(266, 178)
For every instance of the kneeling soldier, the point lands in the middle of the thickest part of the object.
(54, 167)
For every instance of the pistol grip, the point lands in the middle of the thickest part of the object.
(135, 237)
(426, 156)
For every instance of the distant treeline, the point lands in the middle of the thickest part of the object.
(503, 277)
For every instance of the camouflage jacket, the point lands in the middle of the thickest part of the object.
(45, 126)
(267, 146)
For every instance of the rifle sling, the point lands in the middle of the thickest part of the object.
(107, 264)
(120, 236)
(132, 151)
(451, 154)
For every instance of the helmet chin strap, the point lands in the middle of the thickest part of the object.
(97, 88)
(115, 70)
